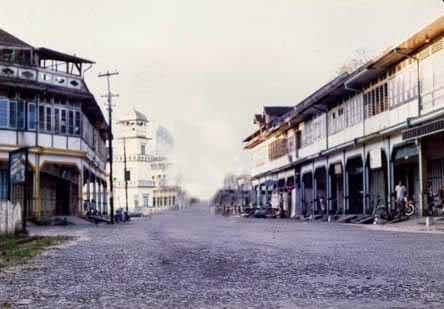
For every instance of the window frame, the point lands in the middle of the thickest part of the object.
(12, 113)
(21, 115)
(77, 123)
(57, 120)
(29, 127)
(6, 106)
(63, 123)
(41, 117)
(70, 122)
(48, 121)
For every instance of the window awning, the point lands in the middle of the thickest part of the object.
(269, 182)
(281, 183)
(405, 152)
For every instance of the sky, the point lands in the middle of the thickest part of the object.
(203, 68)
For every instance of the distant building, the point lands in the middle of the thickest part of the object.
(234, 196)
(45, 105)
(168, 196)
(150, 182)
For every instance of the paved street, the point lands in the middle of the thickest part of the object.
(190, 259)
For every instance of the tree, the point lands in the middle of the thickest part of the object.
(358, 58)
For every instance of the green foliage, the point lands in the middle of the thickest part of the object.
(18, 249)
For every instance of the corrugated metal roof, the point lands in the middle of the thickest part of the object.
(46, 53)
(7, 39)
(277, 110)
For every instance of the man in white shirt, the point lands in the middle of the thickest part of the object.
(401, 191)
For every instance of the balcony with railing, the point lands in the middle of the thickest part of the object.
(43, 66)
(42, 76)
(144, 183)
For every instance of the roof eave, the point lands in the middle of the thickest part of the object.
(50, 54)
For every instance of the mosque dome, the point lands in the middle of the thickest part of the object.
(134, 115)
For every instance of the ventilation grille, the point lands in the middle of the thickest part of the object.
(423, 130)
(424, 54)
(437, 46)
(434, 48)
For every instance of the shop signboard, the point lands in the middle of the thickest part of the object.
(18, 162)
(375, 159)
(17, 166)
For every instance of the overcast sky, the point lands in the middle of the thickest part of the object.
(202, 68)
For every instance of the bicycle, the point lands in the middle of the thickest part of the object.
(384, 211)
(435, 205)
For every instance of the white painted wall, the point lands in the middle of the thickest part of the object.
(312, 149)
(10, 217)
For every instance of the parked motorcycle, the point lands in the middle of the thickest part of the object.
(435, 206)
(259, 213)
(409, 207)
(384, 212)
(248, 212)
(121, 215)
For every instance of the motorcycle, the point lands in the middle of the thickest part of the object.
(383, 212)
(409, 207)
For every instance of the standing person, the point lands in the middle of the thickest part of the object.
(285, 202)
(323, 206)
(401, 194)
(281, 205)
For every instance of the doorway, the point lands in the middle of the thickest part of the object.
(62, 197)
(337, 189)
(354, 169)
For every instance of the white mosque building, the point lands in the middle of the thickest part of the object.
(147, 148)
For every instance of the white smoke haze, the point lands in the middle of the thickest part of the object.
(202, 68)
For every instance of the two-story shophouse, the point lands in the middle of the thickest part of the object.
(45, 105)
(361, 133)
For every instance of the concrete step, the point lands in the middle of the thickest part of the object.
(397, 220)
(366, 219)
(347, 218)
(317, 217)
(75, 220)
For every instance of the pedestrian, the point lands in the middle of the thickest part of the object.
(122, 213)
(401, 194)
(281, 205)
(322, 205)
(86, 207)
(400, 190)
(285, 203)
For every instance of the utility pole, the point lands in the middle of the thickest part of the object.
(126, 174)
(109, 96)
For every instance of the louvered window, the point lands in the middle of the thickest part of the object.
(376, 100)
(277, 149)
